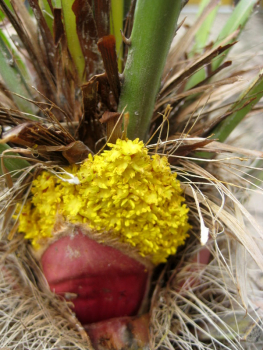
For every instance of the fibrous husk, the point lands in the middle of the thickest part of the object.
(31, 316)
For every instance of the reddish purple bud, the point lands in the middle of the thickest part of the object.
(120, 333)
(101, 281)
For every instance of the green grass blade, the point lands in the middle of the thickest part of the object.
(12, 164)
(240, 109)
(153, 30)
(13, 79)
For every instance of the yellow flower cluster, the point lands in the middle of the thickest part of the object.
(123, 191)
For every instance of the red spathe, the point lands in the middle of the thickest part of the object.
(107, 283)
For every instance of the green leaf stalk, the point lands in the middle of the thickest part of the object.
(153, 30)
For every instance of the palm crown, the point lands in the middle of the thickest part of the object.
(116, 135)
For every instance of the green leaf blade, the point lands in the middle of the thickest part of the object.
(237, 20)
(12, 164)
(240, 109)
(13, 78)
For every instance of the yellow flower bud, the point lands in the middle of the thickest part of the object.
(124, 191)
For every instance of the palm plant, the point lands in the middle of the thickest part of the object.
(121, 220)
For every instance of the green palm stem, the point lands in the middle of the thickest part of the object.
(116, 25)
(72, 37)
(153, 29)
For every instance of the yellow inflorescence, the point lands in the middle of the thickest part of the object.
(123, 191)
